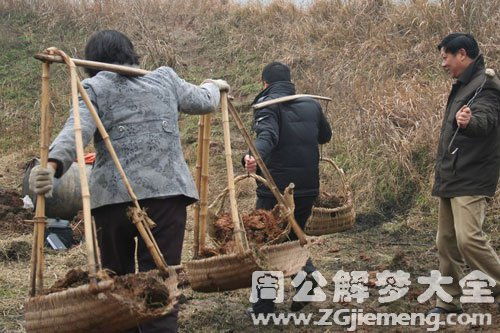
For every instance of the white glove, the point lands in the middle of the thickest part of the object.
(41, 180)
(221, 84)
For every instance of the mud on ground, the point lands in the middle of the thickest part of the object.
(12, 213)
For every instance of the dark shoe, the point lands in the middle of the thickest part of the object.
(297, 306)
(440, 310)
(264, 306)
(250, 311)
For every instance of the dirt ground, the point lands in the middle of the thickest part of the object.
(373, 245)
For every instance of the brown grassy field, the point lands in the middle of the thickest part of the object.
(377, 59)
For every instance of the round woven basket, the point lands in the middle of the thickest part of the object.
(222, 272)
(234, 271)
(325, 221)
(101, 308)
(288, 257)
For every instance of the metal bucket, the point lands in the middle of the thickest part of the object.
(66, 198)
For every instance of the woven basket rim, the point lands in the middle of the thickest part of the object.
(210, 275)
(220, 257)
(101, 286)
(280, 245)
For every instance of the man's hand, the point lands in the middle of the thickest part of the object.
(41, 180)
(463, 116)
(250, 164)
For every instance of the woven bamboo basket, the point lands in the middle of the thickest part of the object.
(234, 271)
(325, 221)
(223, 272)
(288, 257)
(106, 307)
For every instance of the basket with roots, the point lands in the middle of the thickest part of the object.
(112, 305)
(228, 269)
(332, 212)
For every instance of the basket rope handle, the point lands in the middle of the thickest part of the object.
(339, 170)
(218, 203)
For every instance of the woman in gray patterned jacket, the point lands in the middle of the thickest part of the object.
(141, 117)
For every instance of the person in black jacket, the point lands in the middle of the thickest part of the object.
(287, 138)
(467, 167)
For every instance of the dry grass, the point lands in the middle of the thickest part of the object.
(376, 59)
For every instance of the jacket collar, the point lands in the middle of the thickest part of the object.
(276, 89)
(472, 70)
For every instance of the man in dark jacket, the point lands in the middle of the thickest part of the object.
(287, 139)
(467, 166)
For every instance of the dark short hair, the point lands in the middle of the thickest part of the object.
(112, 47)
(456, 41)
(276, 71)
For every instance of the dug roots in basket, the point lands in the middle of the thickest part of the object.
(261, 226)
(115, 303)
(225, 269)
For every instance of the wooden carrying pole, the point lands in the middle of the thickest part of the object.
(126, 70)
(267, 175)
(202, 232)
(196, 212)
(37, 257)
(80, 156)
(239, 231)
(287, 99)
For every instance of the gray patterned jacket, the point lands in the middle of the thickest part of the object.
(140, 115)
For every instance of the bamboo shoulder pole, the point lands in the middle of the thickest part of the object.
(137, 216)
(37, 257)
(107, 141)
(267, 175)
(96, 246)
(202, 233)
(125, 70)
(287, 99)
(196, 213)
(87, 217)
(239, 231)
